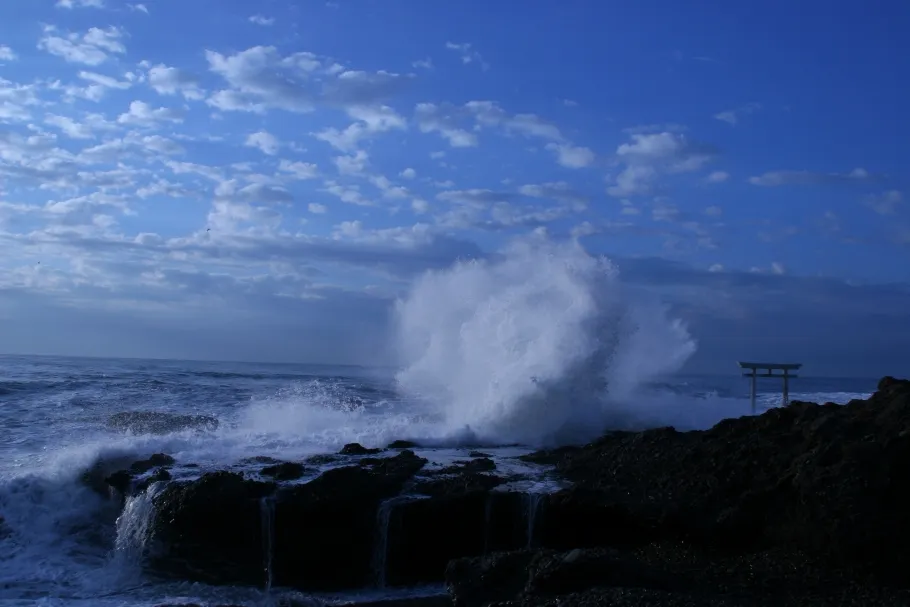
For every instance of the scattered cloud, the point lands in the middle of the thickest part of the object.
(782, 178)
(426, 64)
(80, 4)
(264, 141)
(467, 53)
(141, 8)
(141, 114)
(7, 54)
(732, 117)
(885, 203)
(91, 48)
(260, 20)
(647, 156)
(172, 81)
(717, 177)
(408, 173)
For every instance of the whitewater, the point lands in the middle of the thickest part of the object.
(541, 345)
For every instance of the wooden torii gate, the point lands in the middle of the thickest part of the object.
(769, 369)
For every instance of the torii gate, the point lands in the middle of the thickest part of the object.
(769, 369)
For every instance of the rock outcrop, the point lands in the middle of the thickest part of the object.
(802, 503)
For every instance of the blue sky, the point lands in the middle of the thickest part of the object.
(228, 179)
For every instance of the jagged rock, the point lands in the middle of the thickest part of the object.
(210, 529)
(441, 486)
(285, 471)
(157, 459)
(832, 480)
(321, 460)
(357, 449)
(402, 444)
(159, 475)
(326, 528)
(478, 454)
(480, 464)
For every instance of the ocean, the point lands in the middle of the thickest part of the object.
(60, 543)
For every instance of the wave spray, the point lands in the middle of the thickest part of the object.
(540, 345)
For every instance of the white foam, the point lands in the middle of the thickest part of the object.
(541, 344)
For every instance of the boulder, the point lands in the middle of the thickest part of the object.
(357, 449)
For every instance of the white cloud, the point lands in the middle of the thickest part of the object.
(353, 164)
(717, 177)
(468, 54)
(143, 115)
(171, 81)
(260, 20)
(426, 64)
(408, 173)
(264, 141)
(7, 54)
(299, 170)
(885, 203)
(647, 156)
(572, 157)
(91, 48)
(732, 117)
(778, 268)
(260, 78)
(371, 120)
(80, 3)
(141, 8)
(317, 209)
(433, 118)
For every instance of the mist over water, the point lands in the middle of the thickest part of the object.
(541, 345)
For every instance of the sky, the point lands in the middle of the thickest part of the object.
(230, 180)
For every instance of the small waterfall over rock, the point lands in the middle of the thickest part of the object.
(267, 514)
(487, 521)
(531, 503)
(134, 527)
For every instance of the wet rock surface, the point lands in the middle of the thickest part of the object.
(284, 471)
(805, 504)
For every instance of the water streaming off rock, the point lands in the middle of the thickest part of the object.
(267, 514)
(532, 503)
(134, 525)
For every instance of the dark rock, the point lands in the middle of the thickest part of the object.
(326, 529)
(95, 477)
(285, 471)
(478, 454)
(158, 459)
(121, 481)
(831, 480)
(159, 475)
(321, 460)
(402, 444)
(481, 464)
(210, 529)
(357, 449)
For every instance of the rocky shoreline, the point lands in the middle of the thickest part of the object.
(804, 505)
